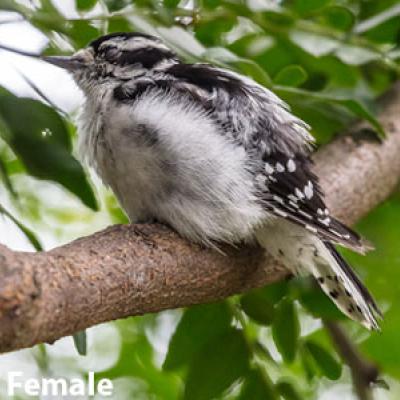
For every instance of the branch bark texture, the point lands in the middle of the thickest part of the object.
(137, 269)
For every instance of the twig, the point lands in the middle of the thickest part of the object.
(364, 373)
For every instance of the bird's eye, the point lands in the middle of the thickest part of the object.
(110, 54)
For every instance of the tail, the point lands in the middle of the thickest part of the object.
(303, 252)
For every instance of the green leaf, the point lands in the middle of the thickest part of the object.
(277, 17)
(26, 231)
(257, 387)
(82, 32)
(48, 18)
(361, 111)
(6, 179)
(286, 330)
(217, 366)
(326, 363)
(84, 5)
(253, 70)
(292, 75)
(312, 43)
(211, 3)
(39, 137)
(275, 292)
(354, 55)
(228, 59)
(308, 6)
(307, 363)
(381, 271)
(198, 325)
(80, 342)
(287, 391)
(19, 112)
(209, 31)
(257, 306)
(171, 3)
(354, 106)
(339, 17)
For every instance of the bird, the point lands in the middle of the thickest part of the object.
(212, 154)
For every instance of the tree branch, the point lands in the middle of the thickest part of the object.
(363, 372)
(132, 270)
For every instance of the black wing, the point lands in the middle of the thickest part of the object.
(291, 190)
(257, 119)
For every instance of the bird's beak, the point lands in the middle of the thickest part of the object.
(70, 63)
(79, 60)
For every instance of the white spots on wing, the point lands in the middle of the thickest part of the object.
(335, 232)
(326, 221)
(291, 165)
(278, 199)
(279, 212)
(293, 198)
(309, 190)
(310, 228)
(280, 167)
(299, 193)
(305, 214)
(294, 204)
(269, 169)
(324, 216)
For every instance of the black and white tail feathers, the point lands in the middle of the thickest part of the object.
(342, 285)
(305, 253)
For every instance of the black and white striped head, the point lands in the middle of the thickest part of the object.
(136, 50)
(116, 56)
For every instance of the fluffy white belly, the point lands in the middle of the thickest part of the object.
(167, 161)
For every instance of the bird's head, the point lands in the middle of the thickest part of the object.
(115, 57)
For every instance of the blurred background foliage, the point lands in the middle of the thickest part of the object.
(330, 60)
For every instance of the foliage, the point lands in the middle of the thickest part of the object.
(329, 60)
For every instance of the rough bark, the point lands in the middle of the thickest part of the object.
(132, 270)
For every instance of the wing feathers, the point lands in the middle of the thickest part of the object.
(291, 190)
